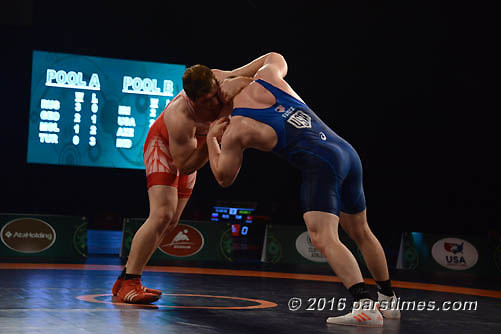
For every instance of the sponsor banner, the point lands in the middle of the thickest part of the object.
(459, 253)
(28, 235)
(190, 240)
(44, 237)
(183, 241)
(454, 254)
(291, 244)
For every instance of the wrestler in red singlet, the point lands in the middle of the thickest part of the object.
(160, 168)
(175, 148)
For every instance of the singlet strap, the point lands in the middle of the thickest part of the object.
(279, 94)
(272, 89)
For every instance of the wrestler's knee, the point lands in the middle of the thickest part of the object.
(321, 236)
(162, 219)
(361, 235)
(359, 232)
(169, 227)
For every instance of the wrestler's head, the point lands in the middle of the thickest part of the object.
(202, 88)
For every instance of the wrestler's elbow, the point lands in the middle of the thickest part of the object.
(186, 171)
(275, 56)
(277, 60)
(192, 166)
(184, 168)
(225, 180)
(225, 183)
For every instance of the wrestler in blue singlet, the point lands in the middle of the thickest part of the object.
(330, 166)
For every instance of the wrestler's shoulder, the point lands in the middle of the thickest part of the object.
(177, 113)
(177, 109)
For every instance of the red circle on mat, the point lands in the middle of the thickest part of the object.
(259, 302)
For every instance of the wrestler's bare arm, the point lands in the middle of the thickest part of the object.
(250, 69)
(183, 144)
(225, 160)
(230, 87)
(273, 71)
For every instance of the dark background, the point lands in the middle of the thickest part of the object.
(411, 85)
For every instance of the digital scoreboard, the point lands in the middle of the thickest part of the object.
(238, 217)
(247, 229)
(93, 111)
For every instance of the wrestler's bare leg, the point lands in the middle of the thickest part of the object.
(181, 204)
(358, 229)
(163, 209)
(323, 231)
(356, 226)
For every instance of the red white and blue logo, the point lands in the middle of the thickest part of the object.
(454, 253)
(453, 247)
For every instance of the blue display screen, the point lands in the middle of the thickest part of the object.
(231, 214)
(93, 111)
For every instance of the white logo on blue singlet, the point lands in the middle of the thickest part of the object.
(322, 136)
(288, 112)
(300, 120)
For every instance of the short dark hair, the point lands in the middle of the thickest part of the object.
(198, 80)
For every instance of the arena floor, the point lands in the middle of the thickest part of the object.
(76, 298)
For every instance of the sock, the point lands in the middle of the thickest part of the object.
(122, 275)
(131, 276)
(359, 291)
(385, 287)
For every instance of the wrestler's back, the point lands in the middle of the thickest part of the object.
(256, 134)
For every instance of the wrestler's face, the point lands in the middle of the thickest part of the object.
(209, 105)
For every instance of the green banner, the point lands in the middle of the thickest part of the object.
(189, 241)
(43, 237)
(292, 245)
(449, 253)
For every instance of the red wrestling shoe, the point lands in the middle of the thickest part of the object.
(118, 284)
(133, 292)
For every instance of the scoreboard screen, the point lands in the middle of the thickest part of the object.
(247, 228)
(229, 214)
(93, 111)
(240, 218)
